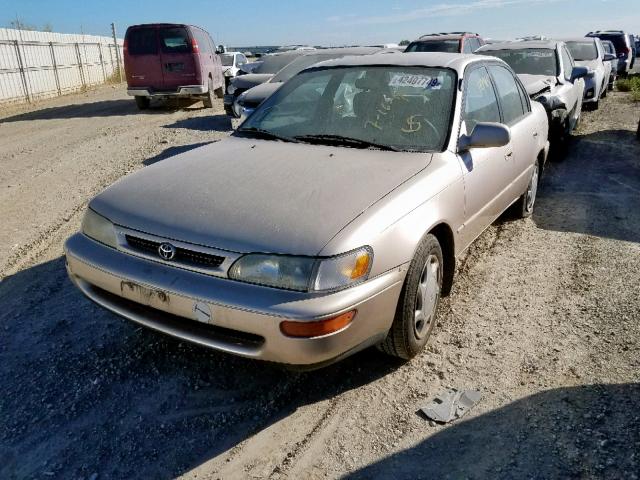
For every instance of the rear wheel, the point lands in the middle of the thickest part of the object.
(142, 102)
(525, 204)
(418, 304)
(208, 100)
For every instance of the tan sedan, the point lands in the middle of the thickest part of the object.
(330, 221)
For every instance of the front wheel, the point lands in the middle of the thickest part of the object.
(525, 204)
(418, 304)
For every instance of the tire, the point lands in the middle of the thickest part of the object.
(219, 92)
(418, 303)
(595, 105)
(142, 102)
(208, 100)
(526, 203)
(604, 92)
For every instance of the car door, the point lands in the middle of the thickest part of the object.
(487, 172)
(516, 114)
(179, 62)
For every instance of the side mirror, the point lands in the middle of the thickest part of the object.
(485, 135)
(579, 72)
(609, 57)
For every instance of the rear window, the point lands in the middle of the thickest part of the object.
(142, 41)
(275, 63)
(175, 40)
(617, 40)
(449, 46)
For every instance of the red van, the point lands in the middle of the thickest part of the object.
(169, 60)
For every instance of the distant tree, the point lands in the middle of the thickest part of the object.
(404, 43)
(20, 24)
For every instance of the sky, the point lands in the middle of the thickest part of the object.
(332, 22)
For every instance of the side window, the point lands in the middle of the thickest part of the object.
(467, 46)
(509, 94)
(480, 102)
(242, 59)
(567, 63)
(475, 44)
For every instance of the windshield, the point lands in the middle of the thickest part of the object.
(529, 61)
(583, 50)
(406, 108)
(450, 46)
(227, 60)
(275, 63)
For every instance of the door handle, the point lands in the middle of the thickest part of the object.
(535, 134)
(508, 156)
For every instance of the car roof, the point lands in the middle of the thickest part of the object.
(344, 50)
(578, 39)
(521, 45)
(454, 61)
(445, 36)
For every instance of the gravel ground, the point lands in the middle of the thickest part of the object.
(543, 320)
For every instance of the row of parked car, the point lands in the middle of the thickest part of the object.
(332, 218)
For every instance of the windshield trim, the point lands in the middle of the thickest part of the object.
(454, 98)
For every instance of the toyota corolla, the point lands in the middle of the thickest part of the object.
(330, 221)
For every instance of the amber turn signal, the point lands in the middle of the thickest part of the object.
(319, 328)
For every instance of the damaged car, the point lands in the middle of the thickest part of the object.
(589, 52)
(249, 100)
(269, 66)
(550, 76)
(330, 221)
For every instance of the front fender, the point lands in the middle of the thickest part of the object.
(395, 225)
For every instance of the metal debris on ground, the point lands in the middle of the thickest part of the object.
(451, 405)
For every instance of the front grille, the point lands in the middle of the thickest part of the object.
(183, 256)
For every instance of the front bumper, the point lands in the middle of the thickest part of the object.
(185, 91)
(231, 316)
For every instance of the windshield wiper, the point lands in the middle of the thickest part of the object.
(342, 140)
(267, 134)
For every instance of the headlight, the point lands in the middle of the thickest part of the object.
(304, 273)
(99, 228)
(231, 89)
(292, 273)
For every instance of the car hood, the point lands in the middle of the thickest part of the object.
(249, 195)
(535, 84)
(256, 95)
(250, 80)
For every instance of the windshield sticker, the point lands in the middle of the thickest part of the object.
(416, 81)
(540, 54)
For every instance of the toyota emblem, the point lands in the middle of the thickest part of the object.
(166, 251)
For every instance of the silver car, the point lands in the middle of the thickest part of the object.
(589, 52)
(550, 76)
(330, 221)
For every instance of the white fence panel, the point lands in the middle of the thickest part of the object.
(36, 65)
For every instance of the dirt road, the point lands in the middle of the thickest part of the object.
(543, 319)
